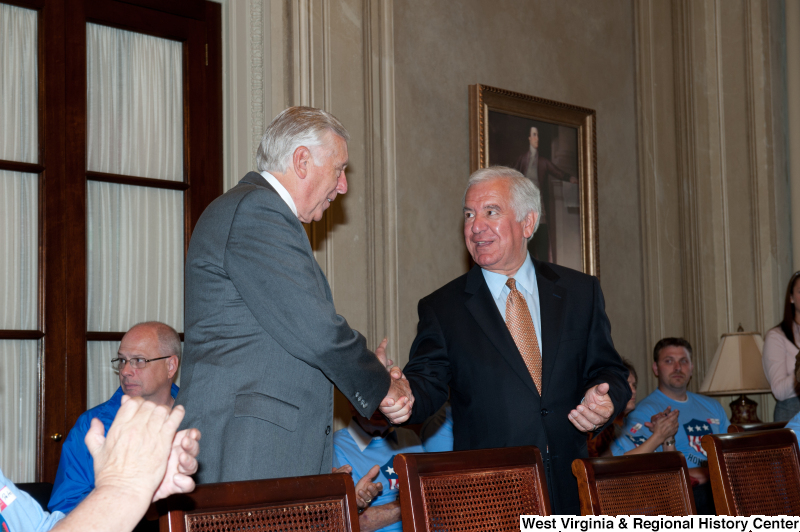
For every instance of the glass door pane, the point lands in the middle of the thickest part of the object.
(134, 104)
(19, 242)
(19, 250)
(134, 256)
(19, 85)
(19, 370)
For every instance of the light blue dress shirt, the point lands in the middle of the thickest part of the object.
(526, 284)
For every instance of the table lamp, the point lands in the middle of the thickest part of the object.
(736, 369)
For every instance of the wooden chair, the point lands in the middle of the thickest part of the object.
(748, 427)
(321, 502)
(471, 490)
(640, 484)
(754, 473)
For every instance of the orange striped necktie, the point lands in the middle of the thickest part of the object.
(520, 324)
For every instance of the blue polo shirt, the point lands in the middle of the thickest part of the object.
(19, 512)
(355, 447)
(75, 475)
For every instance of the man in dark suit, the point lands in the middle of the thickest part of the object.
(523, 347)
(264, 345)
(541, 170)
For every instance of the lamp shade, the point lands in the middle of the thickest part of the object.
(736, 368)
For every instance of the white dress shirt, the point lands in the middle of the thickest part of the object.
(526, 284)
(281, 190)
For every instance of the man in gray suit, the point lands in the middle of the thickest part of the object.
(264, 345)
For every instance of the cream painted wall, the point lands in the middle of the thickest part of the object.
(578, 52)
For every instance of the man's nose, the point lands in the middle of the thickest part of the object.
(126, 369)
(341, 184)
(478, 224)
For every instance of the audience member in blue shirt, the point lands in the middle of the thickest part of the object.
(148, 359)
(365, 444)
(698, 415)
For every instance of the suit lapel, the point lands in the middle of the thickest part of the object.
(551, 308)
(483, 308)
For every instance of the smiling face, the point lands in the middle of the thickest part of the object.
(324, 178)
(494, 237)
(673, 370)
(154, 381)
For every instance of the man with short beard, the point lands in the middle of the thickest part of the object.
(699, 415)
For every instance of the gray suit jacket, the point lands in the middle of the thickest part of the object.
(264, 345)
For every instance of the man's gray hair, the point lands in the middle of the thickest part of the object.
(169, 341)
(525, 195)
(292, 128)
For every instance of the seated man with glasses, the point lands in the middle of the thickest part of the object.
(148, 359)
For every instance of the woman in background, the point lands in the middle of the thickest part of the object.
(780, 354)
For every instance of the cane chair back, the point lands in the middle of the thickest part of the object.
(640, 484)
(754, 473)
(484, 490)
(321, 502)
(749, 427)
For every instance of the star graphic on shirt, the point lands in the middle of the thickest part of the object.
(706, 427)
(390, 471)
(689, 428)
(698, 427)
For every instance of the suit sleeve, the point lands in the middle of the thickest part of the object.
(603, 363)
(268, 262)
(428, 368)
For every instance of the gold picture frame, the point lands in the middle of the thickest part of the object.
(503, 128)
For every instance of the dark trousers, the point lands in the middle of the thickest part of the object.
(704, 499)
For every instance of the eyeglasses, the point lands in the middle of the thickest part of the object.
(136, 363)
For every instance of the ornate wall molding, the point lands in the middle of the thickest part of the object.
(256, 52)
(716, 154)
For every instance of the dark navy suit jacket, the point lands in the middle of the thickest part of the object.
(463, 346)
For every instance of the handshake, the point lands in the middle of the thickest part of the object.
(399, 400)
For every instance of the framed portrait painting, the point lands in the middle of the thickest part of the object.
(553, 144)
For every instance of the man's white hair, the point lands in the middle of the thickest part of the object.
(525, 195)
(292, 128)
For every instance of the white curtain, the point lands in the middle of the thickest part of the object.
(134, 104)
(134, 234)
(19, 87)
(19, 250)
(19, 242)
(19, 366)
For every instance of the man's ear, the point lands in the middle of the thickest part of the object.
(300, 161)
(528, 223)
(172, 365)
(655, 369)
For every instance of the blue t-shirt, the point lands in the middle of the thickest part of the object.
(75, 475)
(19, 512)
(698, 416)
(355, 447)
(437, 432)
